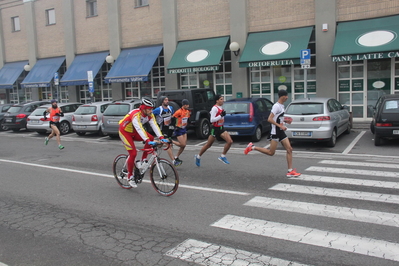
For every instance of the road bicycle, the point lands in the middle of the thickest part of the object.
(163, 175)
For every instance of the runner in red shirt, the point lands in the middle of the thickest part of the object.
(55, 116)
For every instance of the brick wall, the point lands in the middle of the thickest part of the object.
(142, 25)
(50, 38)
(354, 10)
(15, 43)
(267, 15)
(91, 32)
(202, 19)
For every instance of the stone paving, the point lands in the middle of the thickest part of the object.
(124, 247)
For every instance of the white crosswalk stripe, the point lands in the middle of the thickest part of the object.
(311, 236)
(366, 177)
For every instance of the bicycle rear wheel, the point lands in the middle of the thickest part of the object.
(164, 179)
(120, 171)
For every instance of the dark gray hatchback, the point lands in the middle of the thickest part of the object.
(385, 122)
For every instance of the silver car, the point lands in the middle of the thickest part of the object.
(317, 119)
(87, 118)
(114, 113)
(36, 121)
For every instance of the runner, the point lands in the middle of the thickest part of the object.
(164, 118)
(55, 116)
(277, 133)
(217, 130)
(182, 115)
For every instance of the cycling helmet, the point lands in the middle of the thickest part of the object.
(147, 103)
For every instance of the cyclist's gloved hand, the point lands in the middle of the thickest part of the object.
(152, 143)
(165, 140)
(223, 113)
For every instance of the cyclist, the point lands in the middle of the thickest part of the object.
(217, 130)
(55, 116)
(131, 129)
(182, 115)
(164, 118)
(277, 133)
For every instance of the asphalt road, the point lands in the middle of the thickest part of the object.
(64, 207)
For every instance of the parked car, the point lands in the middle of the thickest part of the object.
(201, 101)
(317, 119)
(385, 122)
(114, 113)
(3, 109)
(247, 117)
(16, 117)
(87, 118)
(36, 121)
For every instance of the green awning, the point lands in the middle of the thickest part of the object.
(367, 39)
(197, 56)
(274, 48)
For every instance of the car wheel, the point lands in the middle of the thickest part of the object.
(3, 128)
(64, 128)
(377, 140)
(333, 139)
(258, 134)
(349, 128)
(81, 133)
(203, 129)
(372, 127)
(101, 133)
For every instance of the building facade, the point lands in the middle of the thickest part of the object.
(97, 50)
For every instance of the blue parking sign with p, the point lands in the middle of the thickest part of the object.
(305, 54)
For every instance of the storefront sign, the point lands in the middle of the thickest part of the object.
(285, 62)
(36, 85)
(344, 85)
(193, 69)
(129, 79)
(357, 85)
(343, 58)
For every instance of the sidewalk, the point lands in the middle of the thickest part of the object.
(361, 125)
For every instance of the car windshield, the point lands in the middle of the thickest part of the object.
(86, 110)
(391, 107)
(236, 108)
(14, 109)
(117, 109)
(305, 109)
(38, 112)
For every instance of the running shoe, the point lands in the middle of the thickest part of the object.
(131, 182)
(197, 161)
(177, 162)
(223, 160)
(46, 140)
(248, 148)
(60, 147)
(293, 173)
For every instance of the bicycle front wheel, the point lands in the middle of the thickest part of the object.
(164, 177)
(120, 171)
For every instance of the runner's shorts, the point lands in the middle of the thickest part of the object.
(180, 131)
(57, 124)
(217, 131)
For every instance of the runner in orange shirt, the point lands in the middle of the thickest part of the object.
(55, 116)
(182, 115)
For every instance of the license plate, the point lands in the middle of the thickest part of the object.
(81, 127)
(396, 132)
(302, 133)
(232, 132)
(34, 121)
(8, 120)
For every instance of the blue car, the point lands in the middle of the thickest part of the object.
(247, 117)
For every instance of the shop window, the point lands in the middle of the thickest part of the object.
(140, 3)
(91, 8)
(50, 16)
(16, 26)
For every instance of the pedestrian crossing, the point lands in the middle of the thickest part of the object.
(360, 184)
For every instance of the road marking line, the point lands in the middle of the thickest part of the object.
(357, 172)
(353, 143)
(349, 181)
(2, 264)
(340, 193)
(204, 253)
(380, 165)
(331, 211)
(111, 176)
(305, 235)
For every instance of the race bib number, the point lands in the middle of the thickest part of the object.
(167, 121)
(184, 122)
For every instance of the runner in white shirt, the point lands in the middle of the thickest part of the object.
(277, 133)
